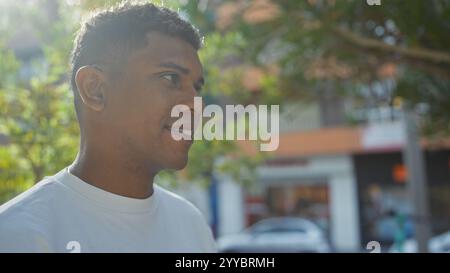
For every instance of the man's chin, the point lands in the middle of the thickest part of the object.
(178, 164)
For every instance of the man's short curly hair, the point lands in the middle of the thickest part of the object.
(108, 36)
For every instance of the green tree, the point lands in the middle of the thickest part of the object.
(35, 100)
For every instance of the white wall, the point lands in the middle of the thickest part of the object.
(345, 227)
(231, 207)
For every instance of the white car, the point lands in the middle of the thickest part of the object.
(284, 234)
(437, 244)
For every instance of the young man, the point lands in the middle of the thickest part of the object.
(130, 66)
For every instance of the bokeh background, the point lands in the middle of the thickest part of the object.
(364, 95)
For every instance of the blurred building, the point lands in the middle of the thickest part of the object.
(350, 180)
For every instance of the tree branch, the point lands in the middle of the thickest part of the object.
(423, 54)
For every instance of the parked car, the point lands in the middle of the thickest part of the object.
(284, 234)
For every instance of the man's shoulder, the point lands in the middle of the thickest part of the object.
(25, 220)
(177, 203)
(30, 206)
(193, 220)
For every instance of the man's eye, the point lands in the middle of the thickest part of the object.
(172, 78)
(198, 88)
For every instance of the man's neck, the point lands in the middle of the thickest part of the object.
(119, 176)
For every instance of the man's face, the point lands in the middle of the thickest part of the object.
(167, 72)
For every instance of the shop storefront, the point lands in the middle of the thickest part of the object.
(385, 208)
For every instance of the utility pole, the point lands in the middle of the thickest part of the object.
(413, 156)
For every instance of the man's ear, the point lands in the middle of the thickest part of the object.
(90, 83)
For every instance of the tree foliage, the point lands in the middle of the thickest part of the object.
(308, 45)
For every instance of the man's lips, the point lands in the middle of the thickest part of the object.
(185, 134)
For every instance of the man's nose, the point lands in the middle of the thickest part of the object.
(189, 100)
(195, 104)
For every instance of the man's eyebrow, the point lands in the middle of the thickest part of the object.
(175, 66)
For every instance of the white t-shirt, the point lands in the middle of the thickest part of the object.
(62, 213)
